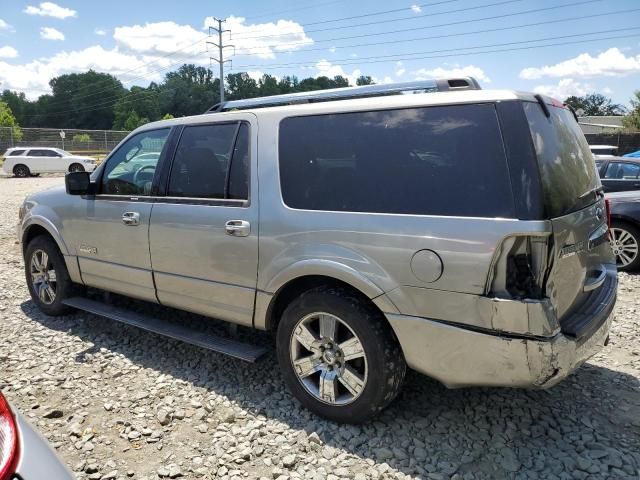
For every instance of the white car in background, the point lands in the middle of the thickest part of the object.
(27, 161)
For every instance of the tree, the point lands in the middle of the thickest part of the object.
(241, 85)
(81, 138)
(167, 116)
(364, 80)
(595, 104)
(632, 120)
(268, 85)
(144, 101)
(7, 120)
(134, 121)
(188, 91)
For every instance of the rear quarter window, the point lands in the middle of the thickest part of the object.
(446, 160)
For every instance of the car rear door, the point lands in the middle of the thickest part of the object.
(204, 232)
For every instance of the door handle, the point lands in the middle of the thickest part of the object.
(238, 228)
(131, 218)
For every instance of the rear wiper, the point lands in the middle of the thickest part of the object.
(594, 190)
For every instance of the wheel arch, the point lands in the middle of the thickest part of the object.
(41, 226)
(274, 305)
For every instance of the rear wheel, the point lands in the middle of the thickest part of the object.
(21, 171)
(338, 355)
(625, 241)
(76, 167)
(47, 276)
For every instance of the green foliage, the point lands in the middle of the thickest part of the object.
(134, 121)
(632, 120)
(7, 119)
(81, 138)
(94, 100)
(594, 104)
(167, 116)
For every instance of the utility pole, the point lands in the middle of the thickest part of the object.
(221, 61)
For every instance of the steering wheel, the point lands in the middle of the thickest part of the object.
(141, 169)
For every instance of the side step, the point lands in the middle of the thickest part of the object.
(233, 348)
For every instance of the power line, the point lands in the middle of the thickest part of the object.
(448, 24)
(293, 10)
(448, 35)
(377, 22)
(531, 47)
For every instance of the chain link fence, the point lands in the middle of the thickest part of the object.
(96, 143)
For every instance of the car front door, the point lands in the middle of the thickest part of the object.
(204, 232)
(111, 228)
(621, 176)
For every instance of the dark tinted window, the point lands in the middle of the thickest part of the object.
(566, 164)
(43, 153)
(130, 170)
(427, 161)
(209, 163)
(15, 153)
(622, 171)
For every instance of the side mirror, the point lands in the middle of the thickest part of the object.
(77, 183)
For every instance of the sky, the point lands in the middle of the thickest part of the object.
(555, 47)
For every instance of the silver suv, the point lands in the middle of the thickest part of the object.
(459, 231)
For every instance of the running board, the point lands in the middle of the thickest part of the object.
(231, 347)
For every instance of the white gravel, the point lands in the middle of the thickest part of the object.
(119, 403)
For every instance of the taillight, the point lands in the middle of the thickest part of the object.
(8, 441)
(607, 209)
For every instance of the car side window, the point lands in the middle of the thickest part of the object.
(43, 153)
(130, 170)
(15, 153)
(211, 161)
(622, 171)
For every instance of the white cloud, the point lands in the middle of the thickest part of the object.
(454, 71)
(332, 49)
(50, 9)
(160, 38)
(416, 8)
(565, 88)
(400, 70)
(8, 52)
(326, 68)
(100, 31)
(609, 63)
(33, 77)
(48, 33)
(4, 25)
(279, 36)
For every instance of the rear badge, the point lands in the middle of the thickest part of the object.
(87, 249)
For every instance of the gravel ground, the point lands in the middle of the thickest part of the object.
(119, 403)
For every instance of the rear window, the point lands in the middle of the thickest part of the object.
(424, 161)
(15, 153)
(567, 169)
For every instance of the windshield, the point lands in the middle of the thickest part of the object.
(567, 167)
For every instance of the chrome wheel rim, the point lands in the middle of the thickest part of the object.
(43, 277)
(624, 246)
(328, 359)
(76, 168)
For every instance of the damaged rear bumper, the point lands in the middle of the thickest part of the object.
(459, 356)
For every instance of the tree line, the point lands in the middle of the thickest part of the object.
(94, 100)
(99, 101)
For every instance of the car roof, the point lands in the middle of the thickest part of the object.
(620, 159)
(370, 103)
(602, 147)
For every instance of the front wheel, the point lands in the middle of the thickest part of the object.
(338, 355)
(625, 240)
(76, 167)
(47, 276)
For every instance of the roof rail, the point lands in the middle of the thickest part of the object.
(346, 93)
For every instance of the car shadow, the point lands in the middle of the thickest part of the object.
(491, 432)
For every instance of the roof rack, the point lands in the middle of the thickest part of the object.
(422, 86)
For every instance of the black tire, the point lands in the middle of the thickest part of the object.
(634, 232)
(21, 171)
(385, 362)
(64, 287)
(76, 167)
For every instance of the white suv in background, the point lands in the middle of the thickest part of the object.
(26, 161)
